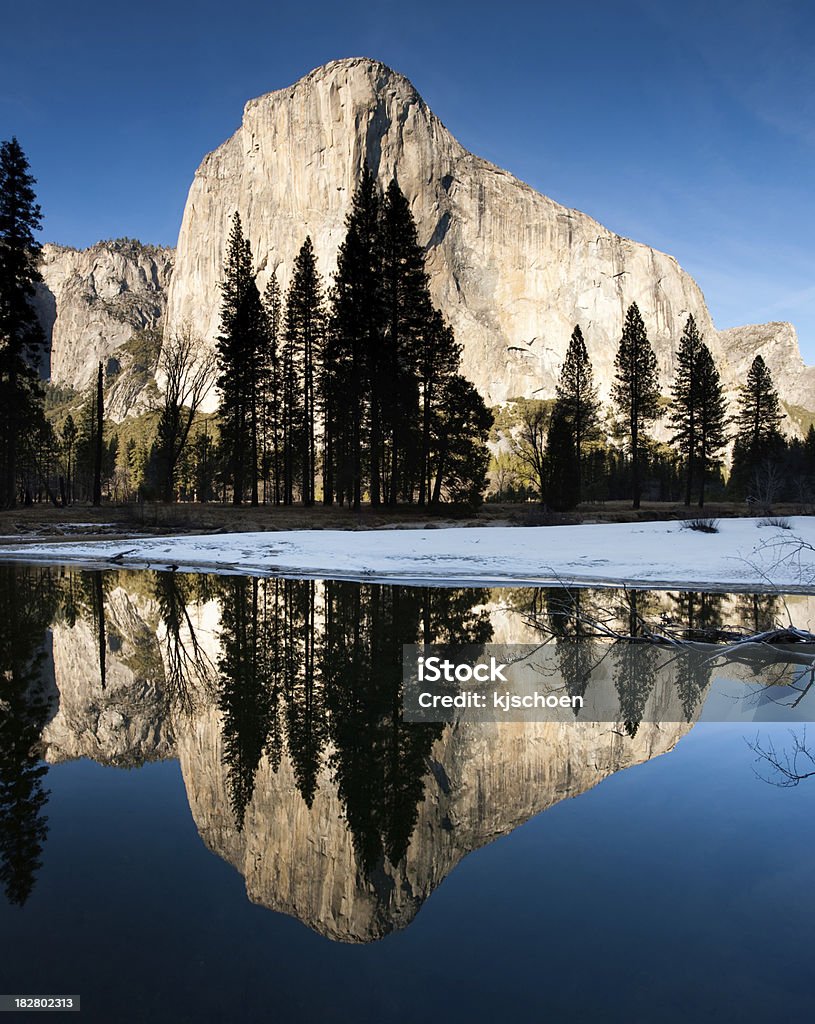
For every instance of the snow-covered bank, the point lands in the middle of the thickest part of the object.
(742, 554)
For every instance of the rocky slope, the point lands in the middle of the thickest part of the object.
(512, 270)
(93, 301)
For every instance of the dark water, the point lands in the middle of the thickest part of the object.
(211, 810)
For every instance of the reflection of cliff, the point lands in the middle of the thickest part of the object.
(110, 676)
(282, 700)
(353, 845)
(482, 781)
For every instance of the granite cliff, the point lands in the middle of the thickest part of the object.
(92, 303)
(512, 270)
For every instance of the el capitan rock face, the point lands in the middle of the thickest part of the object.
(512, 270)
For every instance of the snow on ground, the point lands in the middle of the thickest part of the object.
(744, 554)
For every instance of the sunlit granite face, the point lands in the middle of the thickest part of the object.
(512, 270)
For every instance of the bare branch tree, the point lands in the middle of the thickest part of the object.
(188, 373)
(787, 767)
(529, 443)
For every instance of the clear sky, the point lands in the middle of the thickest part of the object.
(688, 125)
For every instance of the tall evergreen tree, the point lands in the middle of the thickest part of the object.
(684, 416)
(439, 358)
(636, 389)
(561, 486)
(574, 421)
(305, 330)
(712, 419)
(21, 337)
(351, 392)
(272, 390)
(69, 436)
(240, 351)
(395, 380)
(458, 457)
(759, 414)
(758, 419)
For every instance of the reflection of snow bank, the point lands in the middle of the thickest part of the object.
(740, 555)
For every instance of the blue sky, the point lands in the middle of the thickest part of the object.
(686, 125)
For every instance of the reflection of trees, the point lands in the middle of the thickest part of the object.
(634, 677)
(187, 663)
(697, 612)
(333, 653)
(27, 602)
(247, 701)
(694, 668)
(303, 685)
(379, 761)
(578, 652)
(758, 612)
(636, 664)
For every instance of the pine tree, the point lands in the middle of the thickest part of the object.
(574, 421)
(439, 358)
(304, 332)
(712, 417)
(270, 397)
(636, 389)
(21, 337)
(69, 436)
(458, 456)
(561, 489)
(684, 417)
(759, 414)
(395, 374)
(240, 348)
(759, 441)
(354, 348)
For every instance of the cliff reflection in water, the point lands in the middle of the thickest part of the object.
(282, 701)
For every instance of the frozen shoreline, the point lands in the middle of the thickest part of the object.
(742, 554)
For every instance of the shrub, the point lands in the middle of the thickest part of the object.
(701, 525)
(776, 521)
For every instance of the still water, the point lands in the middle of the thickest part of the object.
(212, 810)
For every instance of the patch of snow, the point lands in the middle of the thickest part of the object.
(739, 556)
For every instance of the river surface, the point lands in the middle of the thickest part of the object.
(211, 808)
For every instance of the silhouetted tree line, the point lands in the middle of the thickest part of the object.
(356, 391)
(567, 455)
